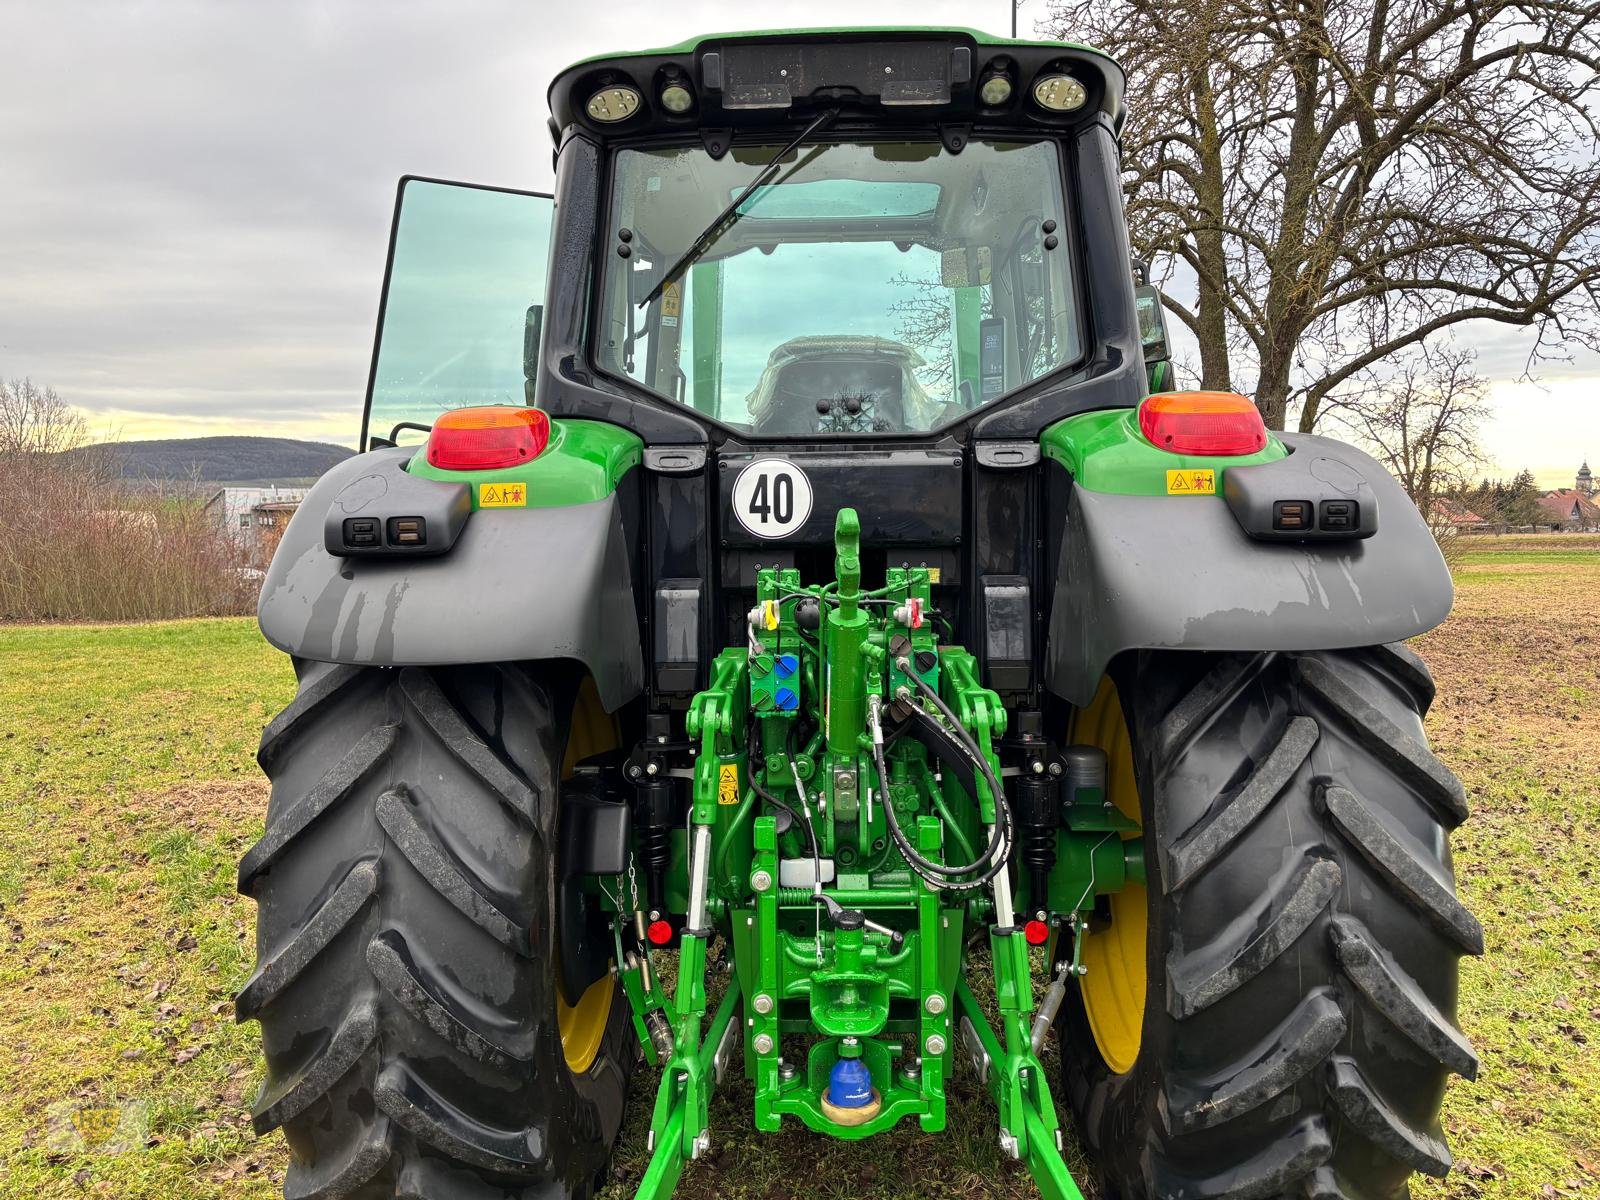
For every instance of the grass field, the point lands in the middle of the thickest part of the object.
(128, 791)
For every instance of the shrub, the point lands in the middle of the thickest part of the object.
(79, 544)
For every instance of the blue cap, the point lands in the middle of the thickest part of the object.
(787, 665)
(850, 1084)
(787, 700)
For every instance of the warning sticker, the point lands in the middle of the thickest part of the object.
(672, 299)
(1191, 483)
(502, 495)
(728, 784)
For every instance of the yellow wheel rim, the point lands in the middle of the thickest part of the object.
(583, 1025)
(1113, 986)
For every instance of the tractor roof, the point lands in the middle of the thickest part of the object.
(864, 32)
(894, 74)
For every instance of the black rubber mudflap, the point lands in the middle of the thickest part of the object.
(1303, 939)
(404, 979)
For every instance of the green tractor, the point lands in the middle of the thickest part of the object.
(775, 628)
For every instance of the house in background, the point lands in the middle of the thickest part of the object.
(1451, 516)
(1573, 509)
(254, 517)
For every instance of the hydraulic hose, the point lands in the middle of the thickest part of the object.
(996, 849)
(938, 875)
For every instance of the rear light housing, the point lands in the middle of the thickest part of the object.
(487, 439)
(1207, 423)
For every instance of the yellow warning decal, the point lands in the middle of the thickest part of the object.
(933, 572)
(1191, 483)
(672, 299)
(728, 784)
(502, 495)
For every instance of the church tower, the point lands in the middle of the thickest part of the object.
(1585, 483)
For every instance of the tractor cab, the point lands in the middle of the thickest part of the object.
(938, 206)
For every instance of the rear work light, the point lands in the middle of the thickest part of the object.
(486, 439)
(1203, 423)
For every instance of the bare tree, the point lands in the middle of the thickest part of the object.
(1346, 179)
(1421, 421)
(35, 420)
(922, 321)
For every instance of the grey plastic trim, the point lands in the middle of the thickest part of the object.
(1158, 572)
(1006, 456)
(675, 460)
(519, 585)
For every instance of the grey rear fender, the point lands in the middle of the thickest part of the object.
(1162, 572)
(518, 584)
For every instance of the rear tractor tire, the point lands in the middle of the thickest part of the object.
(1274, 1016)
(416, 1038)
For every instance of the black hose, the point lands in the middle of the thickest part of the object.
(1003, 817)
(974, 752)
(936, 874)
(998, 833)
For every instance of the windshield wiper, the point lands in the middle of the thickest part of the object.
(729, 215)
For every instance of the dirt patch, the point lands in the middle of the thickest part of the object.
(214, 807)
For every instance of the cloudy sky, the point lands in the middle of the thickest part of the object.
(195, 197)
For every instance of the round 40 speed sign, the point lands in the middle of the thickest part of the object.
(772, 497)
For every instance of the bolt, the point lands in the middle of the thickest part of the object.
(702, 1143)
(912, 1071)
(763, 1043)
(762, 1004)
(761, 880)
(634, 772)
(651, 769)
(934, 1004)
(1008, 1144)
(1055, 768)
(936, 1045)
(1038, 767)
(788, 1072)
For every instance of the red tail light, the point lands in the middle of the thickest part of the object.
(484, 439)
(1203, 423)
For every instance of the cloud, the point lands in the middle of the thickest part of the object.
(195, 197)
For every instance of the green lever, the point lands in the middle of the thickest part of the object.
(847, 559)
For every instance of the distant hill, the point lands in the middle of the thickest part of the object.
(223, 459)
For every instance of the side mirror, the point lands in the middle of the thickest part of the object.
(966, 266)
(1152, 324)
(531, 329)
